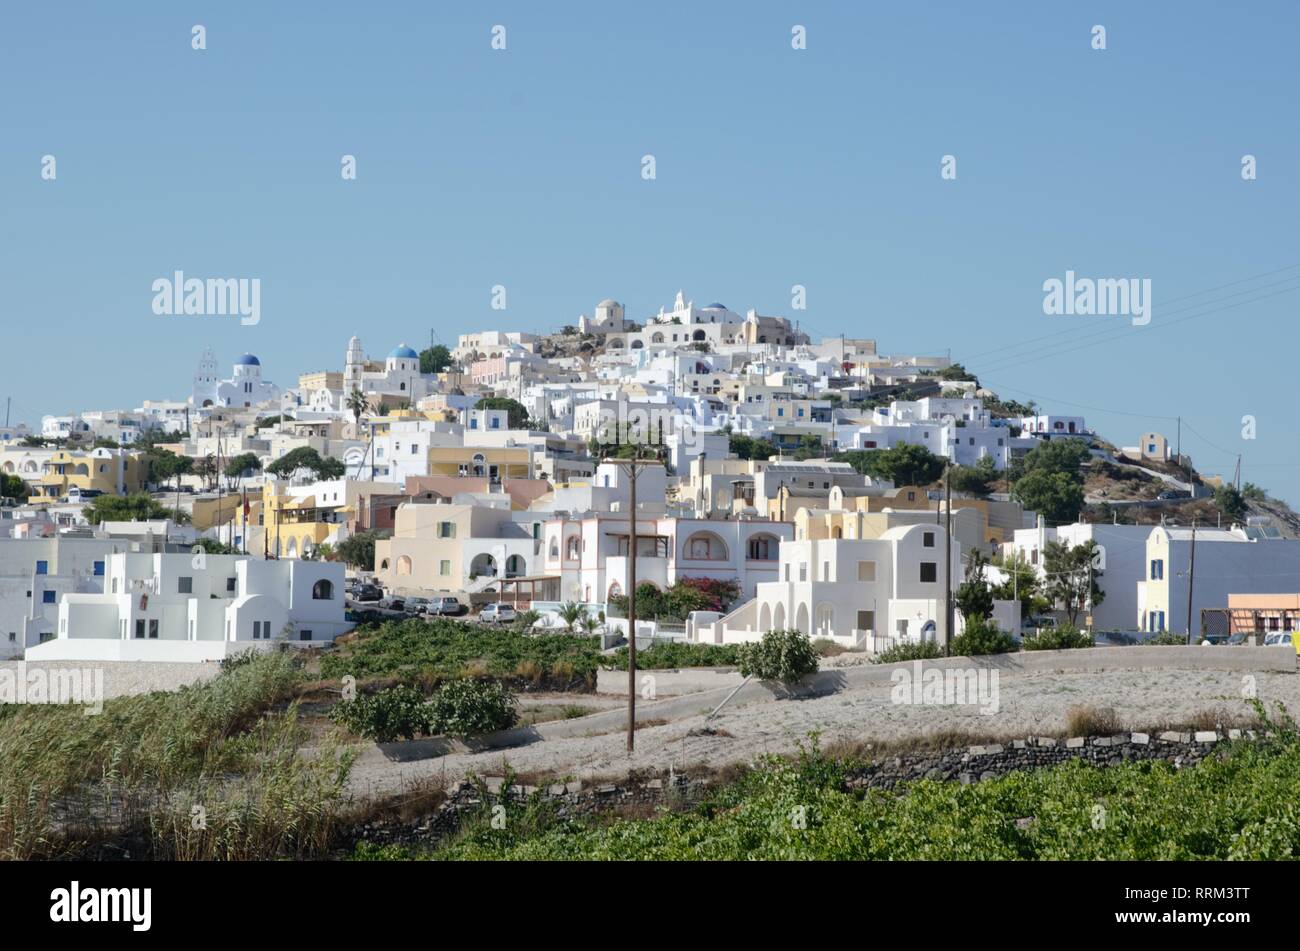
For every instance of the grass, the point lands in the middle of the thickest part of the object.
(213, 770)
(1238, 805)
(439, 649)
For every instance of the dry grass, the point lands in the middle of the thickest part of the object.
(1089, 720)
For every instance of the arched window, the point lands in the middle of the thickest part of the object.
(322, 590)
(574, 548)
(404, 564)
(555, 548)
(705, 546)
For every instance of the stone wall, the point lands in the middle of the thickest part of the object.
(965, 765)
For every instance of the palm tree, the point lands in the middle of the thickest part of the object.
(570, 612)
(358, 404)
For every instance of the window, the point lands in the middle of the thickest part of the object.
(826, 571)
(911, 496)
(153, 629)
(13, 637)
(322, 590)
(42, 567)
(48, 597)
(98, 569)
(444, 567)
(230, 584)
(866, 620)
(185, 585)
(139, 628)
(446, 529)
(866, 571)
(1157, 569)
(927, 540)
(929, 572)
(573, 548)
(304, 635)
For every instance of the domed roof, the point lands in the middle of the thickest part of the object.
(715, 306)
(609, 302)
(404, 352)
(248, 360)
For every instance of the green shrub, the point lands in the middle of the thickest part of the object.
(908, 650)
(397, 713)
(465, 708)
(1061, 637)
(1168, 639)
(781, 655)
(667, 655)
(981, 636)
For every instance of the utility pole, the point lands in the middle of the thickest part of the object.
(631, 611)
(947, 561)
(1191, 580)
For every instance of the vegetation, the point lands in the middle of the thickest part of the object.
(978, 479)
(12, 487)
(229, 748)
(1072, 576)
(435, 359)
(1060, 637)
(981, 636)
(680, 599)
(1230, 502)
(305, 457)
(1049, 479)
(441, 649)
(668, 655)
(786, 656)
(139, 507)
(908, 650)
(359, 550)
(904, 464)
(746, 447)
(516, 414)
(460, 708)
(802, 809)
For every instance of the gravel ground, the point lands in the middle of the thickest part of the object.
(1029, 704)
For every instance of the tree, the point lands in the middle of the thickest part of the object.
(957, 373)
(12, 487)
(1053, 455)
(1253, 493)
(357, 405)
(974, 598)
(206, 469)
(977, 479)
(1072, 575)
(139, 507)
(906, 464)
(746, 447)
(1057, 496)
(240, 466)
(516, 414)
(1229, 501)
(305, 457)
(810, 447)
(359, 550)
(1022, 585)
(570, 613)
(435, 359)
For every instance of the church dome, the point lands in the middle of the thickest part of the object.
(715, 306)
(248, 360)
(403, 353)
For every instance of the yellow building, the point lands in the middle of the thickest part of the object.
(91, 471)
(494, 462)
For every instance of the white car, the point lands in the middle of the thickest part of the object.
(497, 614)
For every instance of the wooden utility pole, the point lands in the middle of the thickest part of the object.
(947, 560)
(631, 612)
(1191, 580)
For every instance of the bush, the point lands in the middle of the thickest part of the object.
(1168, 639)
(465, 708)
(1062, 637)
(908, 650)
(981, 636)
(399, 712)
(781, 655)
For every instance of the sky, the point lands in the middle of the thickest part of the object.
(774, 167)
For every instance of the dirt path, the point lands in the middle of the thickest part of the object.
(1029, 704)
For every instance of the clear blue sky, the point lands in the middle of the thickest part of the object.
(775, 167)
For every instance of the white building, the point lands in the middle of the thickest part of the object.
(244, 388)
(196, 607)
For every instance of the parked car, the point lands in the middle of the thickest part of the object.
(1213, 640)
(1170, 494)
(497, 614)
(1241, 637)
(368, 592)
(446, 607)
(1278, 638)
(393, 604)
(417, 606)
(1114, 638)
